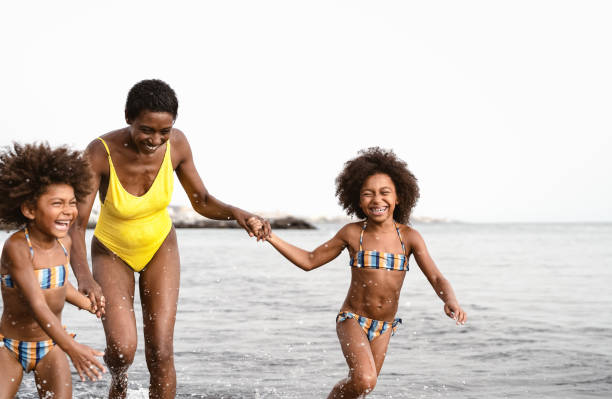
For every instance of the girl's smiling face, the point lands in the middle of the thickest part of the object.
(54, 211)
(377, 197)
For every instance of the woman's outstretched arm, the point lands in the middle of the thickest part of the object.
(96, 156)
(201, 200)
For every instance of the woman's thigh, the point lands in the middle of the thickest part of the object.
(159, 289)
(116, 279)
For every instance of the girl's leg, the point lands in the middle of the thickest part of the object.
(379, 349)
(159, 288)
(52, 375)
(363, 358)
(10, 373)
(117, 282)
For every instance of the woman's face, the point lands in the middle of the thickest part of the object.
(150, 130)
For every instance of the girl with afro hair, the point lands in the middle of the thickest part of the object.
(378, 188)
(39, 190)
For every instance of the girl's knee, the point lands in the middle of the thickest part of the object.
(364, 383)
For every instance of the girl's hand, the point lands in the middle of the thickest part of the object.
(92, 290)
(100, 311)
(454, 311)
(84, 360)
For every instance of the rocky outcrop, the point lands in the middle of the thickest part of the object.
(288, 222)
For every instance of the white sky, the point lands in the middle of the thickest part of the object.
(501, 109)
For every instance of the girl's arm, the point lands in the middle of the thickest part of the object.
(79, 300)
(310, 260)
(201, 200)
(441, 285)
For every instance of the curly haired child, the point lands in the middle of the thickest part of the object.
(39, 190)
(377, 187)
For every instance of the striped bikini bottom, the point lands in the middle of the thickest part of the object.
(28, 353)
(372, 328)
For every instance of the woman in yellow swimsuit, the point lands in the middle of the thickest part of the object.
(133, 171)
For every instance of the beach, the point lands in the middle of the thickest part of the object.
(251, 325)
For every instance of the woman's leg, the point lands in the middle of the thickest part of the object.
(116, 279)
(364, 360)
(52, 375)
(10, 373)
(159, 288)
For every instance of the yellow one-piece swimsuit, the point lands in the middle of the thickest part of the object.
(135, 227)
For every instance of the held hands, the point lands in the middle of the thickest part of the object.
(98, 311)
(255, 225)
(84, 360)
(454, 311)
(92, 290)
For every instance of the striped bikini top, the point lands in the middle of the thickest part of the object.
(380, 260)
(51, 277)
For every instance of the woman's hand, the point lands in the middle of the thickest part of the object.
(92, 290)
(455, 312)
(256, 224)
(253, 224)
(85, 362)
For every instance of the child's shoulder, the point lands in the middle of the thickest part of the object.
(409, 233)
(355, 226)
(15, 246)
(349, 230)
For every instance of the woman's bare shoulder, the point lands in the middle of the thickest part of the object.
(96, 151)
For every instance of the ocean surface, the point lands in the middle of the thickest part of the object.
(252, 325)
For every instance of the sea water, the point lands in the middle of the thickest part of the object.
(252, 325)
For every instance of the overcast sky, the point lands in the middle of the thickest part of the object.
(501, 109)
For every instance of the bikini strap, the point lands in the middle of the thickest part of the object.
(365, 224)
(400, 237)
(64, 248)
(27, 236)
(105, 145)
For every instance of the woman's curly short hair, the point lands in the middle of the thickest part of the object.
(369, 162)
(26, 170)
(150, 95)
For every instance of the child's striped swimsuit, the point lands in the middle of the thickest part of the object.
(29, 353)
(382, 261)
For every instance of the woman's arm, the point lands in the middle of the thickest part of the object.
(310, 260)
(441, 285)
(21, 270)
(96, 156)
(201, 200)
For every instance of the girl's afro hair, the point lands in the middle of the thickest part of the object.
(26, 170)
(367, 163)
